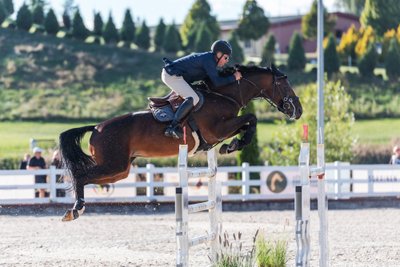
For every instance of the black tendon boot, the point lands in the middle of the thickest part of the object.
(174, 129)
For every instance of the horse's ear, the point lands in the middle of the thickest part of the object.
(273, 67)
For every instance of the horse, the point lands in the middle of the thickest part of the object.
(116, 142)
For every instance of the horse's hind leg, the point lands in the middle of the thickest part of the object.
(96, 175)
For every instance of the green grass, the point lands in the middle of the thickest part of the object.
(15, 136)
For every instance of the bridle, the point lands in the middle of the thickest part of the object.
(287, 100)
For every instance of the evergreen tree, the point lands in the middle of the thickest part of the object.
(79, 30)
(367, 63)
(24, 18)
(9, 7)
(159, 35)
(172, 41)
(237, 56)
(203, 39)
(110, 32)
(331, 57)
(98, 24)
(38, 14)
(199, 12)
(268, 54)
(143, 37)
(3, 12)
(392, 60)
(66, 21)
(50, 23)
(128, 28)
(251, 152)
(309, 22)
(253, 23)
(381, 15)
(297, 57)
(353, 6)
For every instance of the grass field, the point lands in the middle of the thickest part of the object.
(15, 136)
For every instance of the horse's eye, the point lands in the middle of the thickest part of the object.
(285, 99)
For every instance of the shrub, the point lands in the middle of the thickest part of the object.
(128, 28)
(172, 42)
(331, 58)
(367, 63)
(38, 14)
(9, 163)
(392, 60)
(297, 56)
(79, 30)
(110, 33)
(143, 37)
(268, 52)
(51, 24)
(24, 18)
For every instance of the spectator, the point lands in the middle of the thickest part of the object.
(396, 155)
(37, 163)
(56, 162)
(24, 162)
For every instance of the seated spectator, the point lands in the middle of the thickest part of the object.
(395, 159)
(24, 162)
(37, 163)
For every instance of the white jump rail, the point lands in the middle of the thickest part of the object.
(183, 209)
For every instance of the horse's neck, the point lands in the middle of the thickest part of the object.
(241, 92)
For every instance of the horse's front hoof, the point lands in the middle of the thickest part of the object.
(70, 215)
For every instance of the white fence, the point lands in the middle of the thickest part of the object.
(343, 181)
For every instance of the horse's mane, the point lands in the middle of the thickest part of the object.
(227, 71)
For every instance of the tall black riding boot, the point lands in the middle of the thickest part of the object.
(174, 129)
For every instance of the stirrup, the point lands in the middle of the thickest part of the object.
(174, 132)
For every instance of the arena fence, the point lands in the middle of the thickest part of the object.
(150, 184)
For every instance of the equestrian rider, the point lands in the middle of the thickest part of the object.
(179, 74)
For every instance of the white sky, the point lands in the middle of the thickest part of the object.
(176, 10)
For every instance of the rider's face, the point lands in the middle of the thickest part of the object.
(224, 59)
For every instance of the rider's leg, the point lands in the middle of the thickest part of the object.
(174, 129)
(182, 88)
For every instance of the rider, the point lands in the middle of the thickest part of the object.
(179, 74)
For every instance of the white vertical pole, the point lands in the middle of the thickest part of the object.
(212, 196)
(181, 210)
(150, 181)
(53, 183)
(245, 179)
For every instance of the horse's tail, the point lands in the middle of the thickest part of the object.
(74, 159)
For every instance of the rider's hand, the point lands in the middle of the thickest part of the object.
(238, 75)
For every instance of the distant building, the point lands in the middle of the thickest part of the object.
(283, 28)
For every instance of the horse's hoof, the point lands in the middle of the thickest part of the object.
(70, 215)
(223, 149)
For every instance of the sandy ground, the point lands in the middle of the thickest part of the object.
(362, 238)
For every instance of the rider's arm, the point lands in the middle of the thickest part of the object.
(212, 73)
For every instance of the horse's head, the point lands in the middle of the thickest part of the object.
(274, 86)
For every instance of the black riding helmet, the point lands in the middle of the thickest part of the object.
(221, 46)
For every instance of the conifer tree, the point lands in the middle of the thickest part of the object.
(66, 21)
(203, 39)
(297, 57)
(98, 24)
(172, 42)
(3, 12)
(50, 23)
(331, 57)
(79, 30)
(143, 37)
(110, 32)
(128, 29)
(9, 7)
(268, 54)
(392, 60)
(367, 63)
(237, 56)
(309, 22)
(38, 14)
(24, 18)
(159, 35)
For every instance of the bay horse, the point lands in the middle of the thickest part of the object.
(115, 143)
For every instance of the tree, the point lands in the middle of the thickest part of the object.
(309, 22)
(348, 43)
(381, 15)
(128, 28)
(251, 152)
(38, 14)
(367, 63)
(24, 18)
(110, 32)
(69, 10)
(253, 23)
(203, 39)
(331, 58)
(98, 24)
(79, 30)
(50, 23)
(267, 57)
(143, 37)
(199, 12)
(172, 42)
(339, 121)
(159, 35)
(237, 56)
(3, 12)
(392, 60)
(297, 56)
(66, 20)
(9, 7)
(352, 6)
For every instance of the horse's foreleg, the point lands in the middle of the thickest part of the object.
(229, 128)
